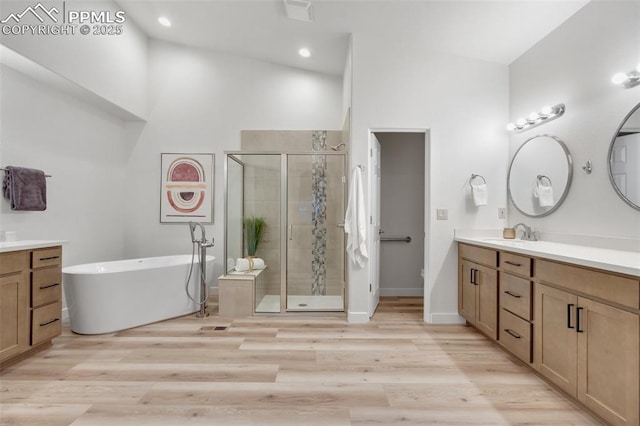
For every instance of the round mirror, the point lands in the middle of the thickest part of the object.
(540, 176)
(624, 159)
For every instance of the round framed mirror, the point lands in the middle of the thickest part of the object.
(624, 159)
(540, 176)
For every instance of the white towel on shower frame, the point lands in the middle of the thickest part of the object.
(355, 221)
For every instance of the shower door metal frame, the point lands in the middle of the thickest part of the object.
(227, 156)
(284, 200)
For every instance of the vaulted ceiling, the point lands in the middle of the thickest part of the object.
(498, 31)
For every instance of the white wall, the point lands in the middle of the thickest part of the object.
(402, 213)
(574, 65)
(464, 103)
(84, 151)
(111, 66)
(200, 101)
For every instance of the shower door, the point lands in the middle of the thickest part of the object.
(315, 232)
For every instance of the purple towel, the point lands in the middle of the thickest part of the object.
(26, 189)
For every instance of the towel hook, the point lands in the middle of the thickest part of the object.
(540, 178)
(473, 176)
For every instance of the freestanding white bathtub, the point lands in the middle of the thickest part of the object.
(111, 296)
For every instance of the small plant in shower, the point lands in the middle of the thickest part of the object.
(253, 230)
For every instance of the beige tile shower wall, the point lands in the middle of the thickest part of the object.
(262, 198)
(262, 194)
(284, 141)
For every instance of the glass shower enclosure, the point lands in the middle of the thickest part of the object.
(301, 198)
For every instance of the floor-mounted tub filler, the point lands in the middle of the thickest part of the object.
(106, 297)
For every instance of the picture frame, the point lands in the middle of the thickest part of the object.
(186, 187)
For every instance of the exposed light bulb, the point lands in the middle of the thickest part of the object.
(511, 127)
(520, 122)
(164, 21)
(533, 117)
(619, 78)
(546, 111)
(304, 52)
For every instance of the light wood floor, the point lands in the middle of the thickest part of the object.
(300, 370)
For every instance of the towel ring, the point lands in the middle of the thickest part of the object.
(540, 179)
(473, 176)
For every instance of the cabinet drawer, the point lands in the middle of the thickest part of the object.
(515, 263)
(609, 287)
(515, 335)
(46, 257)
(45, 286)
(478, 254)
(515, 295)
(13, 262)
(46, 323)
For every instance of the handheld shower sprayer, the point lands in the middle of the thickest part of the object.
(202, 245)
(192, 229)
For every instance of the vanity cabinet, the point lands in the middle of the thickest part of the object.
(14, 303)
(578, 327)
(587, 338)
(30, 301)
(515, 304)
(478, 288)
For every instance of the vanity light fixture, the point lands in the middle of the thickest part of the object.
(627, 80)
(164, 21)
(547, 113)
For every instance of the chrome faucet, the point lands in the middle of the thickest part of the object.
(527, 233)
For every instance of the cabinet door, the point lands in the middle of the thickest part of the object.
(555, 337)
(487, 301)
(14, 319)
(467, 291)
(608, 363)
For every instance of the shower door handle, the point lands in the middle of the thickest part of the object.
(340, 225)
(290, 232)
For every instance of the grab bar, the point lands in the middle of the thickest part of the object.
(402, 239)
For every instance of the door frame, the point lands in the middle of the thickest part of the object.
(428, 285)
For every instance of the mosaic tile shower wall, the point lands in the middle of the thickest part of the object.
(319, 214)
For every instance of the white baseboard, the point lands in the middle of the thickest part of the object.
(402, 292)
(358, 317)
(445, 318)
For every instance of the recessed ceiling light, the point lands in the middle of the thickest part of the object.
(164, 21)
(304, 52)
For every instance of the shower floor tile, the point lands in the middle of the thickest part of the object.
(271, 303)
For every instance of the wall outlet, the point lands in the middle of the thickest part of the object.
(502, 213)
(442, 214)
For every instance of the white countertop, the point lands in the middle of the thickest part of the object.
(7, 246)
(621, 261)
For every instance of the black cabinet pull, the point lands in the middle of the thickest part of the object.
(513, 333)
(471, 276)
(42, 324)
(474, 276)
(49, 258)
(578, 310)
(569, 306)
(49, 286)
(508, 262)
(517, 296)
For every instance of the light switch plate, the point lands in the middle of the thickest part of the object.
(502, 213)
(442, 214)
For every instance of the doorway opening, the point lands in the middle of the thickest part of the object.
(399, 197)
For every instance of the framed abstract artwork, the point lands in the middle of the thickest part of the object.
(186, 190)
